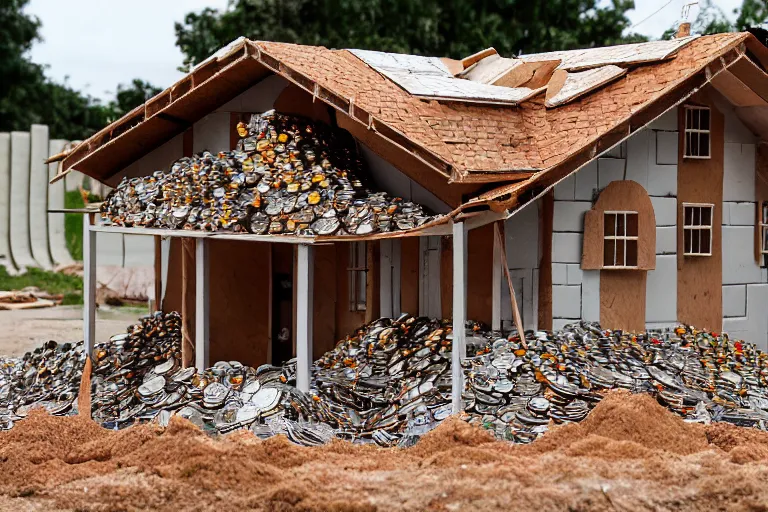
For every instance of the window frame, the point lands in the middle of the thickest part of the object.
(699, 227)
(623, 238)
(697, 131)
(357, 277)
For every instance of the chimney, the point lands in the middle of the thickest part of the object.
(683, 30)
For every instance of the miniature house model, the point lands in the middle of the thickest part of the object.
(629, 184)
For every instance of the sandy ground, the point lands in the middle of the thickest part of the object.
(629, 454)
(25, 330)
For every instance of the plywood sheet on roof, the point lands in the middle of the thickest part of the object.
(428, 77)
(625, 54)
(490, 69)
(416, 64)
(577, 84)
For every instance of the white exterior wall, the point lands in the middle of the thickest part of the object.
(649, 157)
(745, 283)
(521, 234)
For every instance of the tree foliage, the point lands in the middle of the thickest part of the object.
(27, 96)
(454, 28)
(711, 19)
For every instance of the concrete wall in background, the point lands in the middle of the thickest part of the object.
(30, 236)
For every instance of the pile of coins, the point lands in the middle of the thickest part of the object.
(287, 175)
(390, 381)
(49, 377)
(517, 388)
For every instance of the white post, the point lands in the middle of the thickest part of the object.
(496, 282)
(459, 350)
(89, 284)
(304, 285)
(202, 340)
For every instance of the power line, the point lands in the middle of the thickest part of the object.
(652, 15)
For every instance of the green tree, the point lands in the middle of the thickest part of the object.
(753, 12)
(453, 28)
(711, 19)
(27, 96)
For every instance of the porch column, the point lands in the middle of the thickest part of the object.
(459, 350)
(202, 324)
(89, 284)
(496, 280)
(304, 285)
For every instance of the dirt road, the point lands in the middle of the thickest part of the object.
(25, 330)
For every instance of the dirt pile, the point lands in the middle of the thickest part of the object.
(630, 453)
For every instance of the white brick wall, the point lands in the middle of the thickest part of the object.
(649, 157)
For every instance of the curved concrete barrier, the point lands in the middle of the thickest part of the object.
(21, 250)
(38, 196)
(57, 239)
(5, 202)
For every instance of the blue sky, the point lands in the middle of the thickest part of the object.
(96, 44)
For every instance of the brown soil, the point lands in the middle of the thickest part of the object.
(629, 454)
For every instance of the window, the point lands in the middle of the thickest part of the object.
(620, 240)
(357, 271)
(764, 228)
(697, 229)
(697, 139)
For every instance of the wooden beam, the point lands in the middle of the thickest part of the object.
(304, 292)
(459, 349)
(202, 310)
(515, 309)
(736, 91)
(89, 284)
(496, 280)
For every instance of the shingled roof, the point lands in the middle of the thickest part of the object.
(464, 142)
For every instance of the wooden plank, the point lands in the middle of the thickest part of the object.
(240, 301)
(446, 275)
(459, 349)
(592, 246)
(480, 246)
(512, 295)
(546, 214)
(622, 299)
(304, 286)
(736, 91)
(202, 304)
(89, 284)
(498, 264)
(700, 279)
(325, 298)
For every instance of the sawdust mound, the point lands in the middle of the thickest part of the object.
(630, 453)
(625, 425)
